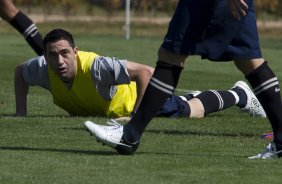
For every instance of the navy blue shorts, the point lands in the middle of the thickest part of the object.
(175, 107)
(207, 28)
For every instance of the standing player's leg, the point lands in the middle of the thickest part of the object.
(160, 87)
(262, 79)
(266, 88)
(23, 24)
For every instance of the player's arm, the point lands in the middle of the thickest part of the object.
(237, 7)
(141, 74)
(33, 72)
(21, 91)
(107, 72)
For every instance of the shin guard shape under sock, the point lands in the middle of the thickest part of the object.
(160, 87)
(214, 101)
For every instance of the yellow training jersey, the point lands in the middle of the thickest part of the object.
(83, 99)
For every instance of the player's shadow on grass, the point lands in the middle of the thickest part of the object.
(72, 151)
(200, 133)
(80, 152)
(176, 132)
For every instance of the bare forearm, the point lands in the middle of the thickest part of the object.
(141, 74)
(21, 91)
(141, 84)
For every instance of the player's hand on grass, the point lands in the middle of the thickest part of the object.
(238, 8)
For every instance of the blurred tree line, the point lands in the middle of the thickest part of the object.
(138, 7)
(271, 7)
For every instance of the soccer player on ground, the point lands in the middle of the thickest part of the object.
(206, 28)
(86, 84)
(10, 13)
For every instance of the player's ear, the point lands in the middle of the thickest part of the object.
(75, 49)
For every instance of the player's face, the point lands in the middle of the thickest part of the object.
(61, 57)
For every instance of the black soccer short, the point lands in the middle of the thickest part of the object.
(175, 107)
(207, 28)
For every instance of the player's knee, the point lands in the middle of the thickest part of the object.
(247, 66)
(171, 57)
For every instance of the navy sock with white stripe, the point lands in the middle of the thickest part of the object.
(214, 101)
(29, 31)
(242, 96)
(160, 87)
(266, 88)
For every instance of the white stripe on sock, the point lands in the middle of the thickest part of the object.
(29, 30)
(220, 100)
(266, 87)
(236, 96)
(162, 84)
(159, 87)
(265, 83)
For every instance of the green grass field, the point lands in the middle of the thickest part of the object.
(48, 146)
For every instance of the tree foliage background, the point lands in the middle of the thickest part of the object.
(272, 7)
(139, 7)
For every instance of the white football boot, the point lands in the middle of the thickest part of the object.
(253, 106)
(112, 135)
(269, 152)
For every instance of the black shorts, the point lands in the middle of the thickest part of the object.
(175, 107)
(207, 28)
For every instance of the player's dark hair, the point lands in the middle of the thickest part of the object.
(56, 35)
